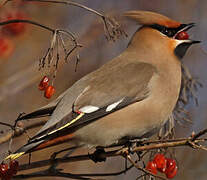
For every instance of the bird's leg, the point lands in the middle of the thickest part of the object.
(97, 156)
(139, 141)
(70, 151)
(54, 155)
(134, 143)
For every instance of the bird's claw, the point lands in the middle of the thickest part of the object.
(98, 155)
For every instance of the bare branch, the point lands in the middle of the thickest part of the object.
(73, 176)
(148, 145)
(19, 131)
(3, 3)
(113, 29)
(67, 2)
(28, 22)
(201, 133)
(6, 124)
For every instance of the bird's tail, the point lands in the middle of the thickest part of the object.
(38, 145)
(38, 113)
(29, 147)
(23, 150)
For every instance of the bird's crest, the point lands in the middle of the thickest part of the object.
(150, 18)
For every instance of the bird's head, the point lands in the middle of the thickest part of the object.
(160, 30)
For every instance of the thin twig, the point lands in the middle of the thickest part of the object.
(19, 131)
(28, 22)
(69, 3)
(113, 29)
(199, 134)
(6, 124)
(39, 174)
(113, 153)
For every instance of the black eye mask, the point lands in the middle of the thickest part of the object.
(170, 32)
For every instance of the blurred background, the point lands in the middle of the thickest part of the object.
(19, 75)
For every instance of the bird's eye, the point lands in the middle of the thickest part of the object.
(170, 32)
(164, 31)
(167, 32)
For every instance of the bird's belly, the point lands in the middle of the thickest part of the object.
(137, 120)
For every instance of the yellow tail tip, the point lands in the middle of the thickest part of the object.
(14, 156)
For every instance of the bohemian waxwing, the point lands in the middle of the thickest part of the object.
(129, 97)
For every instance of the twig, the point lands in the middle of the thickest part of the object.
(3, 3)
(19, 131)
(199, 134)
(74, 176)
(114, 153)
(6, 124)
(113, 29)
(28, 22)
(47, 173)
(49, 56)
(69, 3)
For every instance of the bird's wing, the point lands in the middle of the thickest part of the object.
(102, 92)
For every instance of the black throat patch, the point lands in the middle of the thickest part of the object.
(181, 49)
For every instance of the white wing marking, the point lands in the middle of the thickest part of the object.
(114, 105)
(88, 109)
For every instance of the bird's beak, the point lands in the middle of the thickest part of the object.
(185, 28)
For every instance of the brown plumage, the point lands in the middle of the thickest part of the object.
(129, 97)
(149, 18)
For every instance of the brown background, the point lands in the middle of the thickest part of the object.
(19, 75)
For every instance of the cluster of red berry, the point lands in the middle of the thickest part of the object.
(164, 165)
(44, 86)
(8, 171)
(9, 31)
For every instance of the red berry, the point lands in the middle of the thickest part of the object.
(182, 36)
(161, 162)
(171, 169)
(14, 166)
(49, 91)
(15, 29)
(171, 164)
(3, 170)
(9, 174)
(152, 167)
(171, 174)
(6, 47)
(44, 83)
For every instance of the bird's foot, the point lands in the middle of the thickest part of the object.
(98, 155)
(138, 141)
(134, 143)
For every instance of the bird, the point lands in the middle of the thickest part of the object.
(131, 96)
